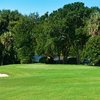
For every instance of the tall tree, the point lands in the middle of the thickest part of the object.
(91, 51)
(24, 39)
(94, 23)
(8, 54)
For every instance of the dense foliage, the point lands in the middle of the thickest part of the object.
(92, 51)
(63, 34)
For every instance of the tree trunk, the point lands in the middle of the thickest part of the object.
(78, 55)
(58, 57)
(2, 58)
(65, 55)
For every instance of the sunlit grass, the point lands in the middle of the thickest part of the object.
(50, 82)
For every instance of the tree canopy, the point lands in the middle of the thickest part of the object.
(64, 33)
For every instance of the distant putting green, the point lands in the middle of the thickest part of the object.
(50, 82)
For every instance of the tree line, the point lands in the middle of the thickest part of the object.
(71, 31)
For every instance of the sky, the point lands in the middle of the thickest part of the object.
(41, 6)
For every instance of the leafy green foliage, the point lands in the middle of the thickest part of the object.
(62, 33)
(94, 23)
(8, 53)
(92, 51)
(24, 40)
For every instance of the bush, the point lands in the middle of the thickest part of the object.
(47, 60)
(26, 60)
(92, 51)
(43, 60)
(50, 60)
(24, 55)
(71, 60)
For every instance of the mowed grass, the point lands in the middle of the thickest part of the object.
(50, 82)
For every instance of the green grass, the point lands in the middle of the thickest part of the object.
(50, 82)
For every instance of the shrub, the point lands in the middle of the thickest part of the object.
(91, 51)
(71, 60)
(43, 60)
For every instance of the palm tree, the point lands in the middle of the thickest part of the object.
(6, 41)
(94, 24)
